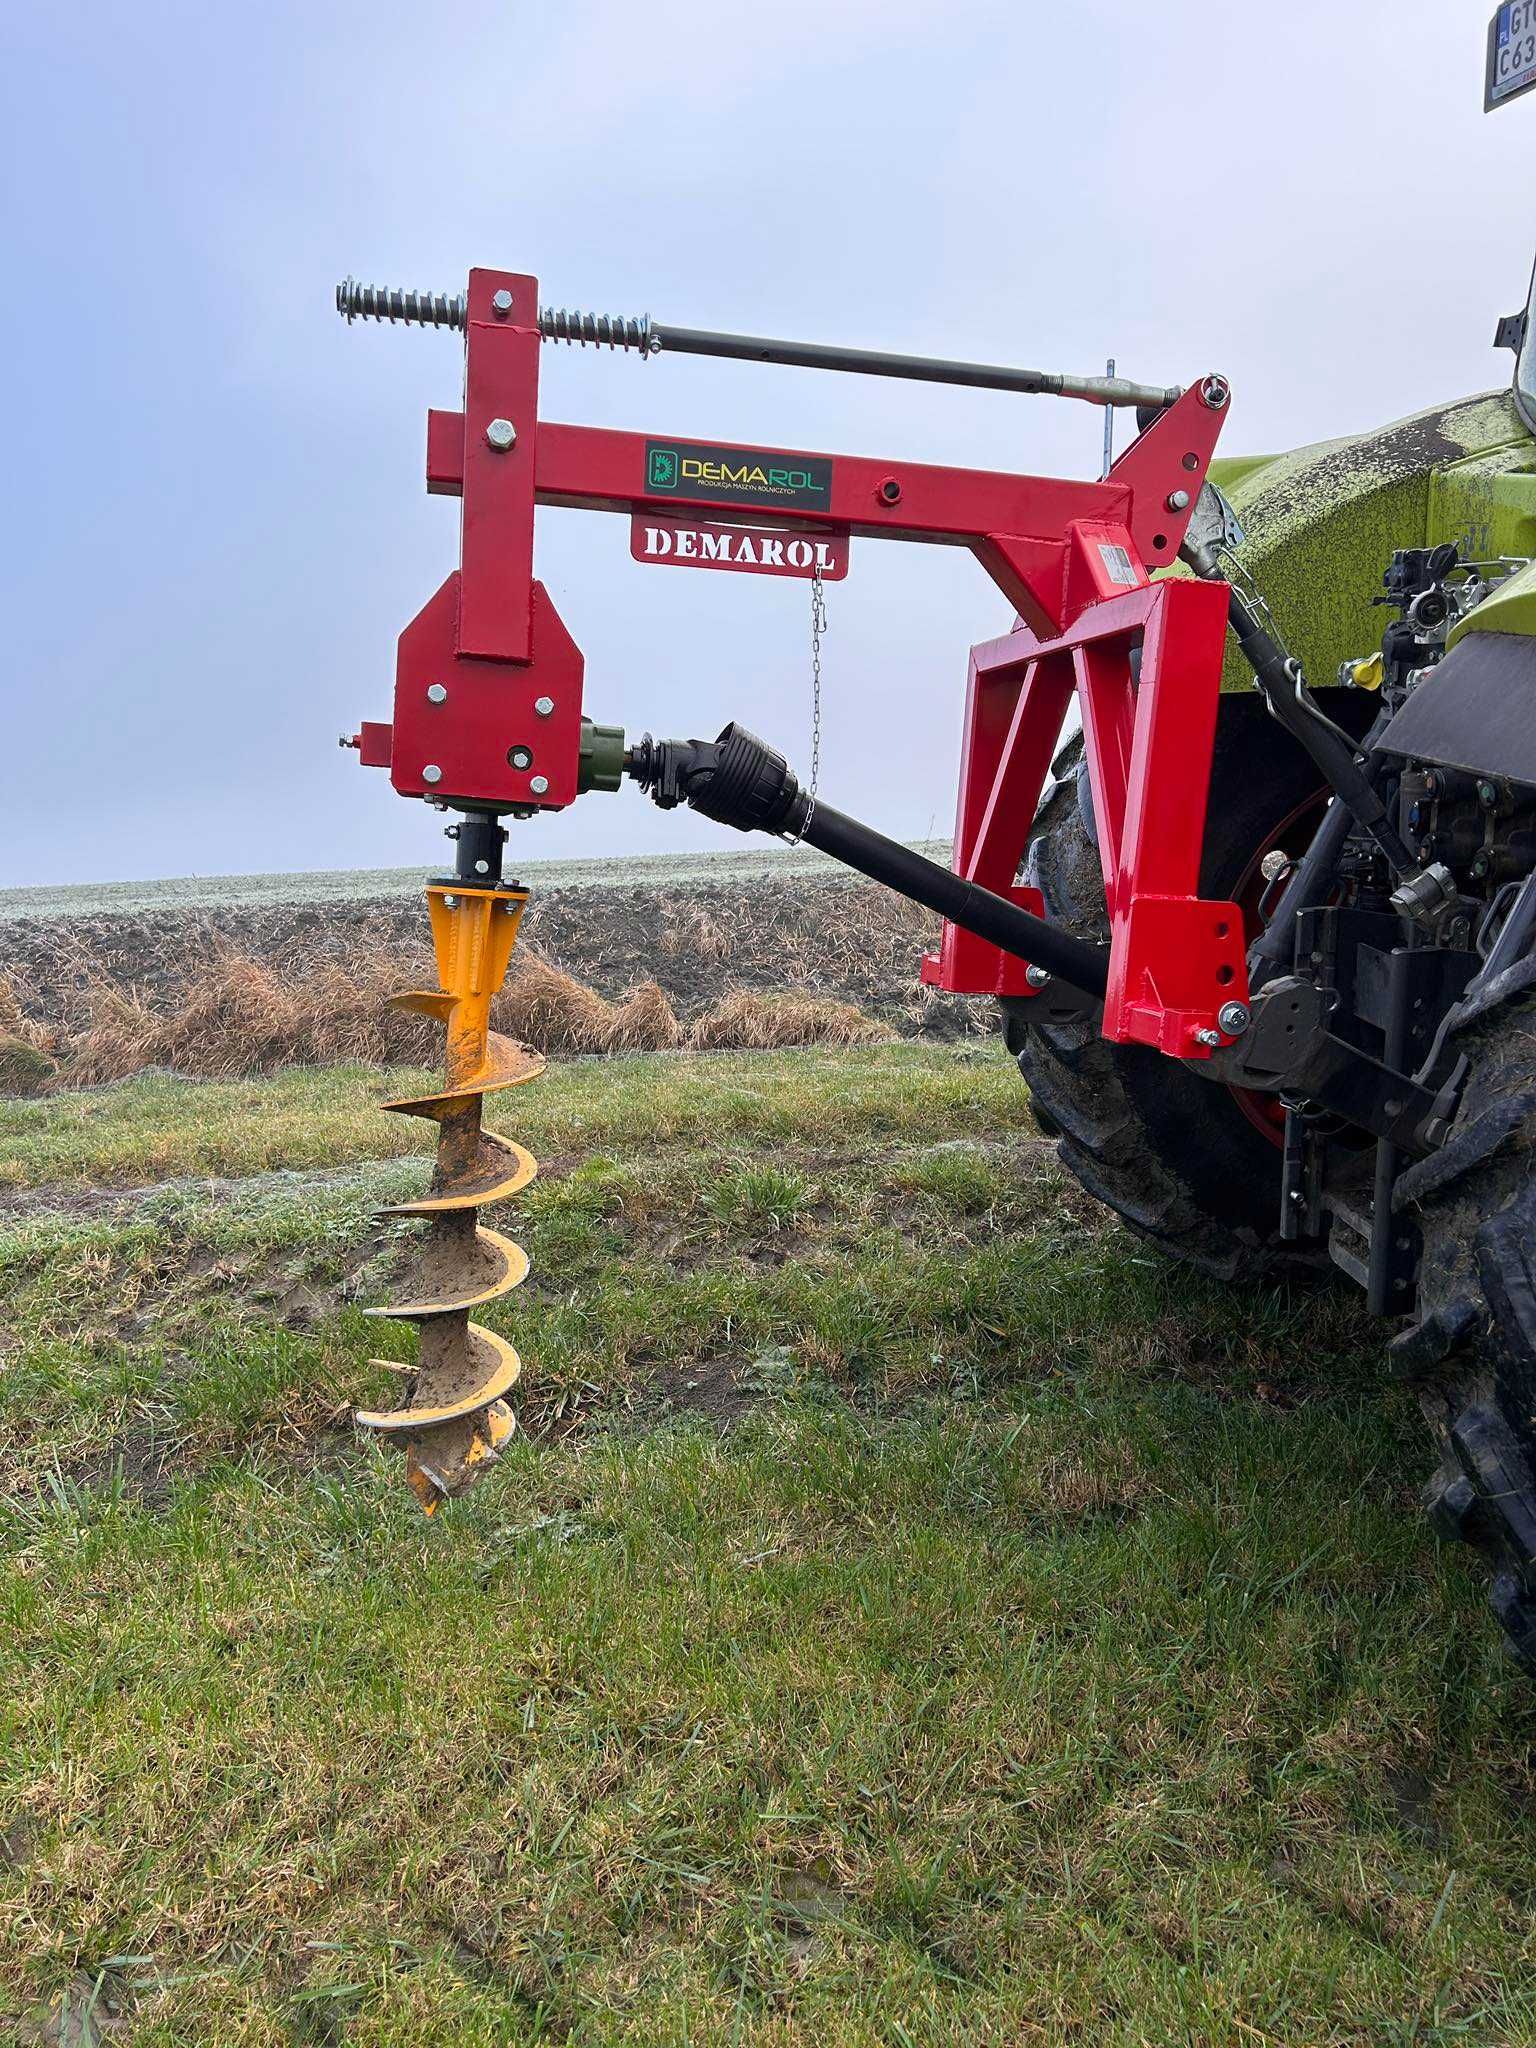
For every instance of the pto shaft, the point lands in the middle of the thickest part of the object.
(356, 301)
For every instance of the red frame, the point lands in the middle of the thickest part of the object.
(488, 681)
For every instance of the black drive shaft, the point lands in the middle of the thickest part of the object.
(739, 780)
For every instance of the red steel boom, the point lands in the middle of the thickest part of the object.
(489, 682)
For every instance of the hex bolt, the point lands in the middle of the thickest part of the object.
(520, 757)
(501, 303)
(538, 784)
(450, 903)
(436, 694)
(1037, 977)
(1233, 1018)
(544, 706)
(1206, 1036)
(1176, 500)
(431, 773)
(500, 435)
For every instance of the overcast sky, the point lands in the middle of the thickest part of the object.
(215, 524)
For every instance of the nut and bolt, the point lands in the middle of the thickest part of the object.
(1233, 1018)
(539, 784)
(520, 757)
(450, 903)
(501, 303)
(544, 706)
(1176, 500)
(500, 435)
(431, 773)
(1037, 977)
(436, 694)
(1487, 793)
(1206, 1036)
(1274, 864)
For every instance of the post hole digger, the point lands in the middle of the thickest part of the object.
(1264, 949)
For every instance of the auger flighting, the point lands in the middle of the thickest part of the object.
(457, 1417)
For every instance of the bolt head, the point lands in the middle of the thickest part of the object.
(1274, 864)
(544, 706)
(520, 757)
(431, 773)
(500, 435)
(436, 694)
(501, 303)
(1206, 1036)
(450, 903)
(1233, 1018)
(1037, 977)
(539, 784)
(1177, 500)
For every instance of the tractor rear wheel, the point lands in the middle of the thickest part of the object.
(1472, 1347)
(1186, 1163)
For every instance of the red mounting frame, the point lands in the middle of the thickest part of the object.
(488, 682)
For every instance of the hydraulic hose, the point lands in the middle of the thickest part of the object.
(739, 780)
(1285, 692)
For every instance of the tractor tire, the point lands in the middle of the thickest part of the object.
(1471, 1350)
(1179, 1159)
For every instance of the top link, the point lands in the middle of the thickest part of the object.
(648, 337)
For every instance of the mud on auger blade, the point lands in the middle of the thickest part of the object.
(457, 1417)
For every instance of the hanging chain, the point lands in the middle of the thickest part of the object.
(818, 627)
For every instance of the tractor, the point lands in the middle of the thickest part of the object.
(1261, 930)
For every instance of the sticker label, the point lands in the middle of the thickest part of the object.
(753, 550)
(737, 476)
(1118, 566)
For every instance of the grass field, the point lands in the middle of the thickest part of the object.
(914, 1615)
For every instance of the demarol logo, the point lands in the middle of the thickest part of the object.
(738, 476)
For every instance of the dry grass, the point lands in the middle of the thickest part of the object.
(233, 1015)
(28, 1049)
(747, 1021)
(547, 1007)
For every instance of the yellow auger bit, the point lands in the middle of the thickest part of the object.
(457, 1417)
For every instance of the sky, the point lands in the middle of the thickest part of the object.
(214, 525)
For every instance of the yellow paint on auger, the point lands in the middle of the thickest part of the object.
(457, 1418)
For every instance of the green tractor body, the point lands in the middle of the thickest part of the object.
(1397, 569)
(1322, 523)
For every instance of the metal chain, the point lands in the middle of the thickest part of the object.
(818, 627)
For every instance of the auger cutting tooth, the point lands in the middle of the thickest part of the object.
(456, 1418)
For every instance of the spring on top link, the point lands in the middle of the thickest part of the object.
(355, 301)
(602, 330)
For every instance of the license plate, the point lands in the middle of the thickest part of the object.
(1511, 51)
